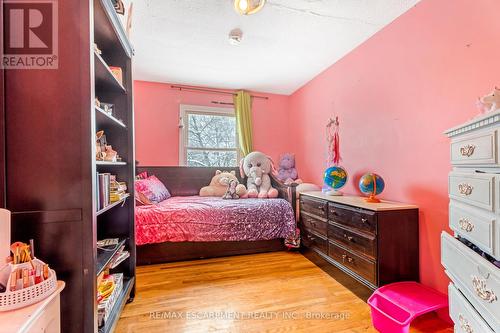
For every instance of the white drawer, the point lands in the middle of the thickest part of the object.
(475, 277)
(476, 149)
(473, 188)
(463, 314)
(476, 226)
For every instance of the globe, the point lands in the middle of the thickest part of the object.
(371, 184)
(335, 177)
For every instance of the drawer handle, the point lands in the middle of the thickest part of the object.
(321, 208)
(364, 220)
(349, 259)
(465, 189)
(465, 325)
(465, 224)
(349, 238)
(311, 238)
(482, 291)
(467, 150)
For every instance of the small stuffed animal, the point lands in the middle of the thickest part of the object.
(218, 185)
(231, 192)
(287, 172)
(257, 167)
(490, 102)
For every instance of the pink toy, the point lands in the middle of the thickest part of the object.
(395, 305)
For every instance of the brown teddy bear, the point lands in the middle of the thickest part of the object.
(219, 185)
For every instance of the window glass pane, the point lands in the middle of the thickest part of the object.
(211, 131)
(199, 158)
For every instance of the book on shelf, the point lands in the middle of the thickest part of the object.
(103, 193)
(105, 305)
(118, 258)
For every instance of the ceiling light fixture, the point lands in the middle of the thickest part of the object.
(248, 7)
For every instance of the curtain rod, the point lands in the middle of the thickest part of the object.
(212, 91)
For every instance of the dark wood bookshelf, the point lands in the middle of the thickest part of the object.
(55, 155)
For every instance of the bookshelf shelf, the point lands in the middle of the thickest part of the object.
(104, 77)
(110, 163)
(105, 119)
(104, 257)
(114, 204)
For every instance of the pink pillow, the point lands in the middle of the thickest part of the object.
(151, 189)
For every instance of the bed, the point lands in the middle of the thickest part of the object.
(187, 226)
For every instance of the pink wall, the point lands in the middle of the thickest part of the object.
(395, 95)
(157, 119)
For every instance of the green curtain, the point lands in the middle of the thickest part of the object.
(243, 109)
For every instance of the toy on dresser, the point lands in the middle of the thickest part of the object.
(287, 173)
(490, 102)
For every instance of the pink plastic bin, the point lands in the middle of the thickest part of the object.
(394, 306)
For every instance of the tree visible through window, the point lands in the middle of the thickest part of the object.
(209, 139)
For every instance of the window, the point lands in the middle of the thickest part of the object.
(208, 137)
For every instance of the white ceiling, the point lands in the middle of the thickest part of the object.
(284, 46)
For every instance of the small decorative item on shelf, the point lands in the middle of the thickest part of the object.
(100, 145)
(105, 152)
(97, 50)
(119, 7)
(97, 102)
(26, 279)
(335, 178)
(117, 73)
(117, 190)
(108, 108)
(371, 184)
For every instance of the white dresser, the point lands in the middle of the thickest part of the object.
(41, 317)
(474, 213)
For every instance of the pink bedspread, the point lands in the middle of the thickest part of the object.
(205, 219)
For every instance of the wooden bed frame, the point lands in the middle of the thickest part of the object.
(186, 181)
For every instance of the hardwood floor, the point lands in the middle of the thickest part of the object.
(271, 292)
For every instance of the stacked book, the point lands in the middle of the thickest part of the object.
(109, 190)
(117, 190)
(103, 184)
(105, 306)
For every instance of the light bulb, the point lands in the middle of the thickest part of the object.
(243, 4)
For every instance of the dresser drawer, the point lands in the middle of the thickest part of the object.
(364, 244)
(363, 220)
(476, 278)
(476, 226)
(475, 149)
(314, 206)
(465, 317)
(313, 223)
(472, 188)
(315, 241)
(363, 267)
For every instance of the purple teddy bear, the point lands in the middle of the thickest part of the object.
(287, 172)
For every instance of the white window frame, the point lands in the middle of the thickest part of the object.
(186, 109)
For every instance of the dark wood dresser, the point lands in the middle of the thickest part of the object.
(375, 243)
